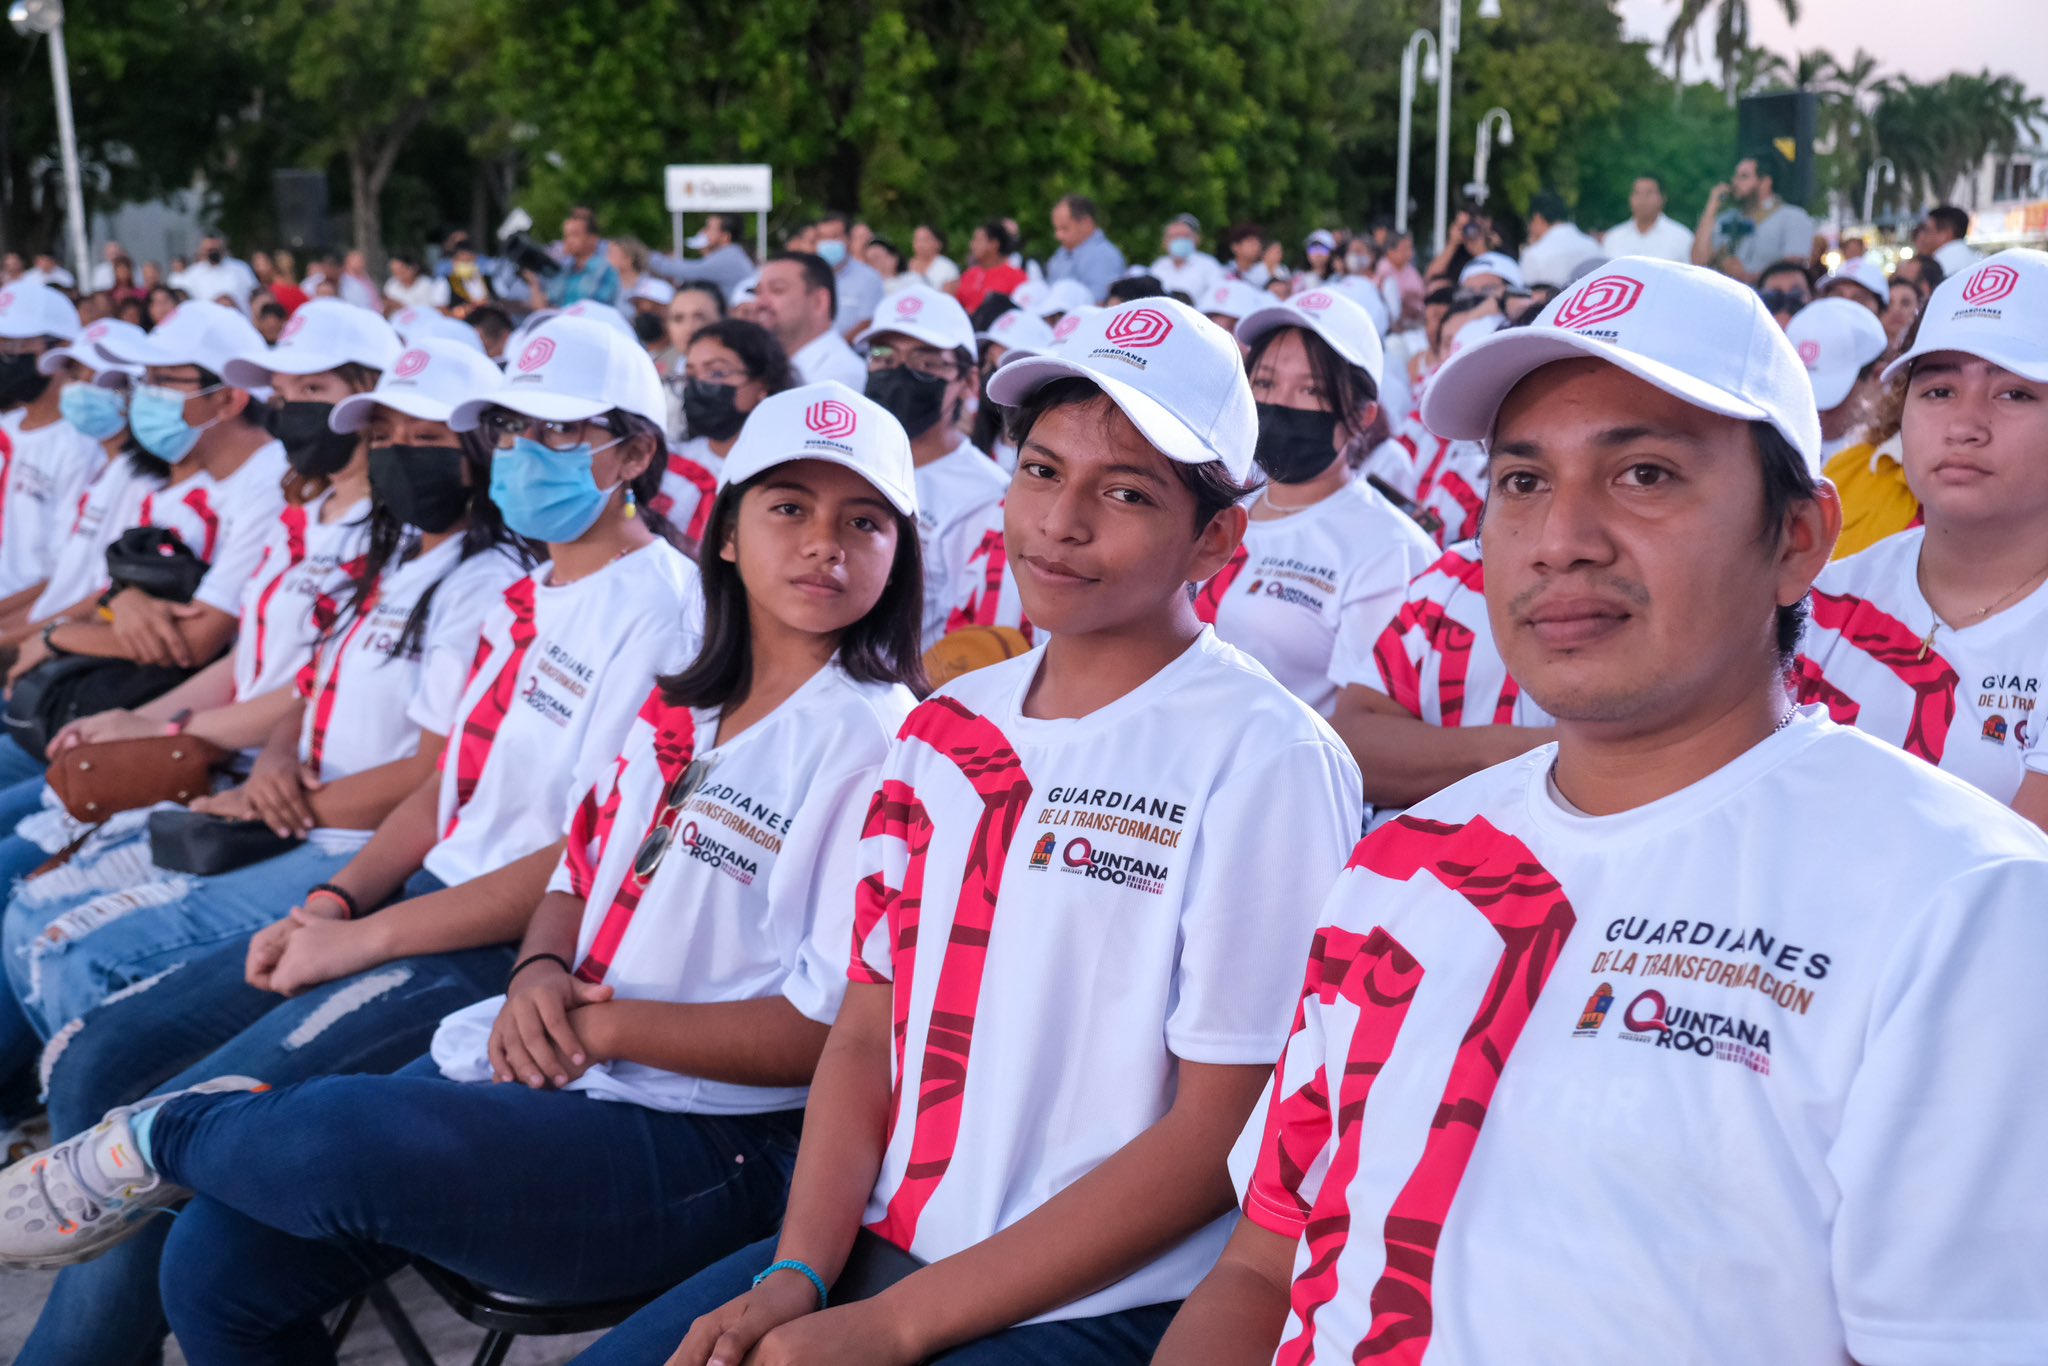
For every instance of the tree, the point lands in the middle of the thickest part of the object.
(1937, 134)
(1731, 34)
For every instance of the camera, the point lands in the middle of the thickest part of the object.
(521, 250)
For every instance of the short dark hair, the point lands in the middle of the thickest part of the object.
(490, 320)
(1951, 219)
(1652, 177)
(1241, 231)
(1550, 205)
(406, 258)
(1349, 388)
(1080, 206)
(817, 275)
(1769, 161)
(1780, 267)
(1135, 287)
(886, 245)
(767, 364)
(1932, 273)
(1210, 483)
(586, 216)
(708, 289)
(936, 231)
(724, 221)
(833, 216)
(998, 232)
(1787, 481)
(648, 327)
(882, 647)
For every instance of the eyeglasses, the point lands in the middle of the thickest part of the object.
(662, 836)
(929, 362)
(505, 427)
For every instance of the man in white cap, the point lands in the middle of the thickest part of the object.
(1841, 342)
(1185, 268)
(921, 367)
(48, 461)
(1601, 1055)
(1862, 280)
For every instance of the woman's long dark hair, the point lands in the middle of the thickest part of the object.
(393, 543)
(882, 647)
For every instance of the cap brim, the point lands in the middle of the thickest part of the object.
(1016, 381)
(1274, 316)
(928, 335)
(1465, 396)
(546, 407)
(145, 350)
(1831, 388)
(353, 413)
(246, 372)
(2034, 368)
(903, 500)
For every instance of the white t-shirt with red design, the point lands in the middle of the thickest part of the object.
(754, 897)
(957, 494)
(985, 591)
(1664, 1086)
(1306, 595)
(1437, 656)
(41, 480)
(304, 560)
(1452, 490)
(560, 673)
(1097, 898)
(1968, 701)
(244, 508)
(109, 506)
(690, 485)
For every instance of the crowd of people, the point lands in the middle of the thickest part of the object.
(812, 793)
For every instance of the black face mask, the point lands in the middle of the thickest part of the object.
(310, 446)
(711, 410)
(213, 256)
(421, 485)
(1295, 444)
(20, 381)
(913, 399)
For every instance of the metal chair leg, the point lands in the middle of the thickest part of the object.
(492, 1352)
(398, 1325)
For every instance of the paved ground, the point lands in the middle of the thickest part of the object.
(452, 1341)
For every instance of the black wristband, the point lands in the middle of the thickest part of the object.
(533, 958)
(348, 902)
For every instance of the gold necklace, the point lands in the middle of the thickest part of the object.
(1927, 641)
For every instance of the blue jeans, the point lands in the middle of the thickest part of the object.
(21, 795)
(205, 1019)
(1127, 1338)
(310, 1194)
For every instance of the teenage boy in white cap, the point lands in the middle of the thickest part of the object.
(921, 367)
(1599, 1056)
(48, 462)
(1936, 639)
(1840, 341)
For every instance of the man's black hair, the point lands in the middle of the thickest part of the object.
(1550, 205)
(817, 275)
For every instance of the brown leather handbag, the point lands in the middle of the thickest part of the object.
(98, 781)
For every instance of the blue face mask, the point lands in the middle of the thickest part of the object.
(547, 495)
(832, 253)
(1181, 248)
(157, 417)
(97, 412)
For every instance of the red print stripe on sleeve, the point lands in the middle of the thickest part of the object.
(1892, 643)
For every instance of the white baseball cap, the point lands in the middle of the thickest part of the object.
(1234, 299)
(1692, 332)
(1321, 237)
(592, 309)
(1369, 295)
(1337, 318)
(924, 314)
(36, 310)
(743, 292)
(1032, 295)
(654, 289)
(1835, 339)
(429, 380)
(199, 333)
(1177, 376)
(1071, 323)
(1018, 332)
(1064, 296)
(1996, 311)
(108, 373)
(830, 422)
(698, 240)
(569, 369)
(1492, 263)
(417, 324)
(322, 335)
(1472, 330)
(1865, 271)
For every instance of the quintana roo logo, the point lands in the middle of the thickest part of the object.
(1138, 328)
(410, 364)
(1315, 301)
(1989, 285)
(538, 352)
(831, 419)
(1604, 300)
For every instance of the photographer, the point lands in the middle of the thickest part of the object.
(1759, 228)
(585, 274)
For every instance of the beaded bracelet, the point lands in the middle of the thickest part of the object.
(817, 1281)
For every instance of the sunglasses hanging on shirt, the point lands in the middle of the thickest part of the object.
(662, 836)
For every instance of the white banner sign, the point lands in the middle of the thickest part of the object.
(717, 189)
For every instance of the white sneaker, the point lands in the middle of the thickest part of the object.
(74, 1201)
(24, 1138)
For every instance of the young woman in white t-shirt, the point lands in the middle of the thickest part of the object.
(728, 367)
(647, 1111)
(1071, 941)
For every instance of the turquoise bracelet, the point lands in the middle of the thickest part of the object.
(817, 1281)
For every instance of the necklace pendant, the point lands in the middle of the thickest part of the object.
(1927, 641)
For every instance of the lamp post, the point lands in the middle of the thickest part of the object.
(1482, 146)
(1447, 47)
(1891, 177)
(1421, 46)
(46, 17)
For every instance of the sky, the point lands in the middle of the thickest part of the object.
(1912, 37)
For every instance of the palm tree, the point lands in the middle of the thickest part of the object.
(1731, 34)
(1937, 134)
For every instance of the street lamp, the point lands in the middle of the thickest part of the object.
(1447, 44)
(46, 17)
(1422, 44)
(1891, 177)
(1482, 147)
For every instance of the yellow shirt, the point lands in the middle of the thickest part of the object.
(1876, 502)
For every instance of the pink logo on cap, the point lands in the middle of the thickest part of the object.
(1990, 284)
(1315, 301)
(293, 328)
(1809, 351)
(831, 419)
(96, 331)
(410, 364)
(1603, 300)
(538, 352)
(909, 306)
(6, 300)
(1137, 329)
(1066, 327)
